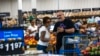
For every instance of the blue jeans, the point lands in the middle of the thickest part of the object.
(41, 47)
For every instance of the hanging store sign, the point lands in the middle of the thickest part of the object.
(76, 10)
(40, 12)
(49, 11)
(86, 9)
(95, 9)
(54, 11)
(67, 10)
(3, 14)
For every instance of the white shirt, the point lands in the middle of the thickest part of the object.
(47, 36)
(32, 29)
(51, 27)
(79, 23)
(91, 28)
(97, 19)
(90, 20)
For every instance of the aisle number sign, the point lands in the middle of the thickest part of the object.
(11, 41)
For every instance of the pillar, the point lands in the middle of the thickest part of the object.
(20, 19)
(33, 5)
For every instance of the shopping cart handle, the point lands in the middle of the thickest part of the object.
(79, 35)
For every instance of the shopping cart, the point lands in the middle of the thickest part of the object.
(76, 49)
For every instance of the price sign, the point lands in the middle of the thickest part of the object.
(40, 12)
(11, 41)
(49, 11)
(76, 10)
(3, 14)
(95, 9)
(67, 10)
(86, 9)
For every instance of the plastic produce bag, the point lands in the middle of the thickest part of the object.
(75, 40)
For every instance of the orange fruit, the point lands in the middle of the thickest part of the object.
(88, 49)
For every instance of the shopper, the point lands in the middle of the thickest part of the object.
(31, 16)
(98, 28)
(83, 28)
(32, 29)
(77, 25)
(63, 27)
(11, 22)
(25, 18)
(44, 35)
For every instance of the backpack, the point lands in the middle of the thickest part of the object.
(37, 34)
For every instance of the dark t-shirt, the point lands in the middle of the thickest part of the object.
(66, 24)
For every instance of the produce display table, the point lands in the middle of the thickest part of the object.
(34, 52)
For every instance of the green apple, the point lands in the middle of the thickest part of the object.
(99, 52)
(94, 49)
(99, 47)
(92, 53)
(96, 52)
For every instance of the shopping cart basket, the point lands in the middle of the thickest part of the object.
(75, 42)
